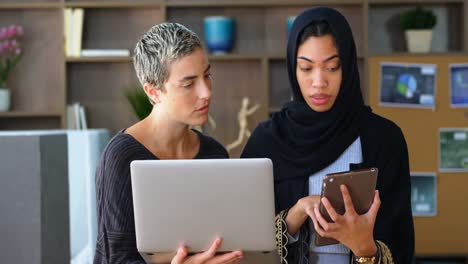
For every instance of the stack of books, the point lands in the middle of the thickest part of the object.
(74, 34)
(73, 31)
(76, 117)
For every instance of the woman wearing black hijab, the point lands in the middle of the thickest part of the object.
(327, 128)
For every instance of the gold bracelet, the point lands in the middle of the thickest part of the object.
(364, 259)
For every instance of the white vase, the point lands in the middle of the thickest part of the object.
(419, 40)
(4, 99)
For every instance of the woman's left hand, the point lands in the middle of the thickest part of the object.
(351, 229)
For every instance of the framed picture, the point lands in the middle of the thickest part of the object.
(407, 85)
(453, 149)
(459, 85)
(424, 194)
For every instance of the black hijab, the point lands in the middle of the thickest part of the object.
(301, 142)
(306, 141)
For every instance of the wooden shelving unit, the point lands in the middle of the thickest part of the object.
(37, 84)
(234, 57)
(98, 59)
(13, 5)
(29, 114)
(46, 80)
(414, 2)
(114, 4)
(259, 3)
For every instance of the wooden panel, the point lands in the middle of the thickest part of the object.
(30, 123)
(258, 2)
(280, 88)
(29, 114)
(363, 69)
(25, 2)
(362, 78)
(227, 57)
(404, 2)
(117, 28)
(37, 81)
(445, 234)
(465, 24)
(260, 30)
(102, 59)
(114, 3)
(31, 5)
(100, 88)
(231, 82)
(275, 18)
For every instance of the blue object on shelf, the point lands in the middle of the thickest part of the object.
(289, 23)
(219, 34)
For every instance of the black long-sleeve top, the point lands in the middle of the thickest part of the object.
(384, 147)
(116, 241)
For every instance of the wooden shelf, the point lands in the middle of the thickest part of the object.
(283, 57)
(259, 3)
(237, 57)
(120, 4)
(414, 2)
(410, 54)
(210, 56)
(30, 5)
(224, 57)
(15, 114)
(273, 109)
(277, 56)
(98, 59)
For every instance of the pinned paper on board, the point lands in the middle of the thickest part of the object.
(407, 85)
(453, 149)
(424, 194)
(459, 85)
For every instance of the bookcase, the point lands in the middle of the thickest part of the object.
(38, 82)
(46, 80)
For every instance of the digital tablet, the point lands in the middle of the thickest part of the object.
(361, 186)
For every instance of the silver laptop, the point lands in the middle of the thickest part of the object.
(194, 201)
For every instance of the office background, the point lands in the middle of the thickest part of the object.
(53, 81)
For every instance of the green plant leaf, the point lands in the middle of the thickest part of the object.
(139, 102)
(418, 18)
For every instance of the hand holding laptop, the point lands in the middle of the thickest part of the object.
(207, 257)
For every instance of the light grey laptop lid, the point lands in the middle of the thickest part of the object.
(193, 201)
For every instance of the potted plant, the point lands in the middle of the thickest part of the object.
(418, 24)
(142, 107)
(139, 101)
(10, 55)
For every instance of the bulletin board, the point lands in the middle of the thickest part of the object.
(446, 233)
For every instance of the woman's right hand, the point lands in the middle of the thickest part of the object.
(297, 215)
(207, 257)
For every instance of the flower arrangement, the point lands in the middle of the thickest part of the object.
(10, 50)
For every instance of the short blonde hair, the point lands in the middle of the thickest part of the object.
(158, 48)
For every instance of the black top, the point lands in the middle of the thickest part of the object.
(116, 242)
(384, 147)
(301, 141)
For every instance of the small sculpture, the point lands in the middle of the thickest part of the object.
(244, 112)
